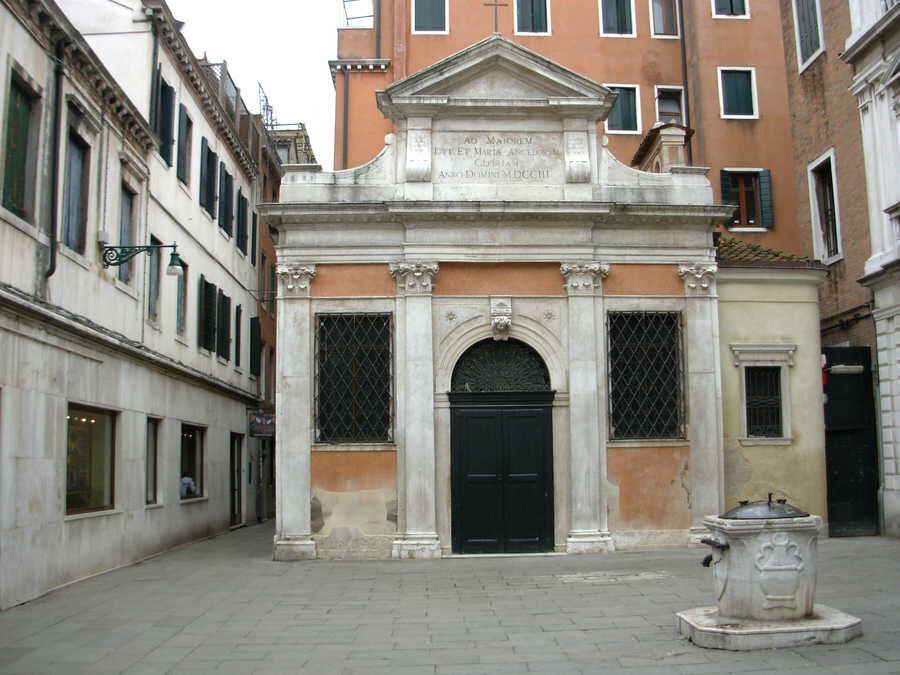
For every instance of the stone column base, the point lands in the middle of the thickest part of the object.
(421, 546)
(287, 549)
(589, 541)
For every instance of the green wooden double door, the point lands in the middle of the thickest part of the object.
(502, 473)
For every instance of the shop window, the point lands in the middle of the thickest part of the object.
(625, 116)
(151, 462)
(353, 390)
(532, 16)
(21, 148)
(664, 18)
(617, 18)
(751, 194)
(430, 16)
(737, 93)
(645, 375)
(192, 458)
(90, 459)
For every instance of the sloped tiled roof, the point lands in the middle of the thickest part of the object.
(737, 253)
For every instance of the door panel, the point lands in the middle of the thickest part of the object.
(502, 480)
(850, 443)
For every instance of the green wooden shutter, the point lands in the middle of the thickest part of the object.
(725, 182)
(229, 204)
(204, 174)
(617, 16)
(181, 169)
(766, 204)
(167, 121)
(75, 192)
(201, 311)
(255, 346)
(15, 171)
(532, 16)
(430, 15)
(253, 235)
(238, 311)
(211, 187)
(807, 28)
(210, 317)
(737, 92)
(623, 116)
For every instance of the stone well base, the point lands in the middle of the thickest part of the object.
(705, 628)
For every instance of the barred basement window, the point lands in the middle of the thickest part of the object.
(763, 391)
(645, 375)
(354, 393)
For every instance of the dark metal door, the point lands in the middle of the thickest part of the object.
(850, 442)
(237, 445)
(502, 466)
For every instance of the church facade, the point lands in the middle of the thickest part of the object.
(496, 338)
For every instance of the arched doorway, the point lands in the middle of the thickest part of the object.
(501, 440)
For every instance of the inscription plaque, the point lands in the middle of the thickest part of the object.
(498, 157)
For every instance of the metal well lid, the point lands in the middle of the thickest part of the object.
(764, 510)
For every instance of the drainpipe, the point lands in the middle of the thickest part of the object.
(377, 8)
(684, 75)
(154, 72)
(345, 132)
(58, 72)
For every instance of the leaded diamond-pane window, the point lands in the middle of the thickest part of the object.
(645, 375)
(763, 389)
(353, 378)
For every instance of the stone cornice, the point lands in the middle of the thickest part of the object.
(858, 42)
(47, 23)
(170, 36)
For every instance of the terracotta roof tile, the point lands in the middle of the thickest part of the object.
(737, 253)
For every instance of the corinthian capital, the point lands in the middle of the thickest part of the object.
(415, 278)
(296, 279)
(583, 278)
(699, 276)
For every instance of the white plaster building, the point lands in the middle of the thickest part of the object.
(495, 337)
(123, 391)
(873, 49)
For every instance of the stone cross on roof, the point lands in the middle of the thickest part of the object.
(496, 5)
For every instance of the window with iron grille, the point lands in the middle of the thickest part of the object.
(354, 392)
(646, 398)
(763, 395)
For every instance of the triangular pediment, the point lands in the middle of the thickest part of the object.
(495, 76)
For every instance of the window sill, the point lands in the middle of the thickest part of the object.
(729, 17)
(431, 32)
(74, 256)
(739, 117)
(765, 441)
(748, 229)
(182, 340)
(665, 37)
(525, 34)
(225, 235)
(801, 67)
(222, 362)
(125, 288)
(187, 191)
(619, 35)
(193, 500)
(650, 443)
(832, 260)
(92, 514)
(353, 447)
(616, 132)
(154, 324)
(206, 213)
(151, 507)
(21, 224)
(204, 352)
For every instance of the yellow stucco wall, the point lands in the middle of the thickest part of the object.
(774, 306)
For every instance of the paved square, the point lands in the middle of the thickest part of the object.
(222, 606)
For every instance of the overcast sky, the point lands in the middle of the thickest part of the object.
(282, 44)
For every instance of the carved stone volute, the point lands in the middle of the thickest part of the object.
(414, 278)
(584, 278)
(296, 280)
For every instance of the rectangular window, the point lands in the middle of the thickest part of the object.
(209, 165)
(206, 314)
(669, 105)
(664, 15)
(255, 347)
(823, 206)
(430, 16)
(237, 336)
(253, 236)
(181, 301)
(165, 119)
(191, 479)
(154, 262)
(90, 459)
(763, 397)
(353, 392)
(737, 93)
(645, 375)
(242, 207)
(808, 30)
(75, 194)
(617, 17)
(185, 138)
(751, 194)
(730, 8)
(151, 461)
(223, 325)
(226, 200)
(532, 16)
(21, 148)
(126, 229)
(625, 116)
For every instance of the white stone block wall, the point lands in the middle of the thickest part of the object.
(887, 327)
